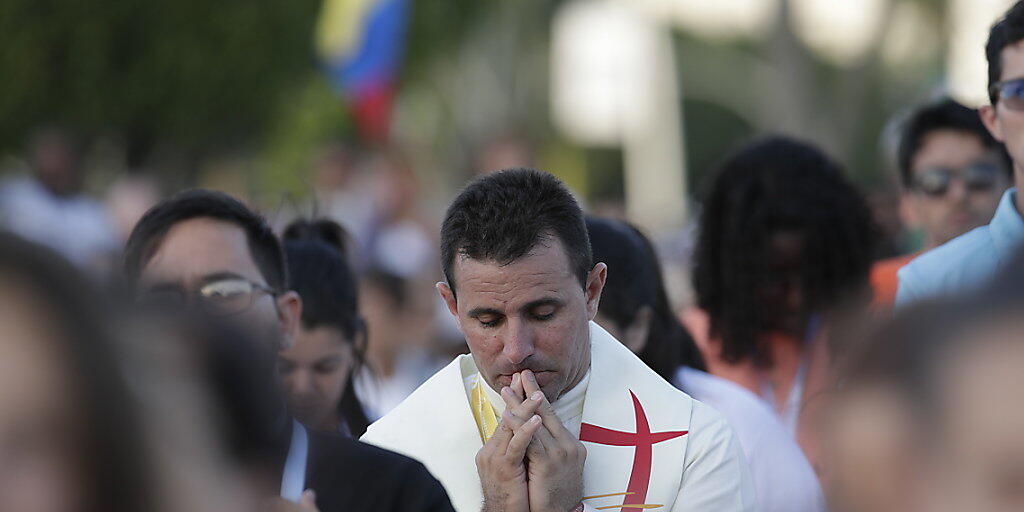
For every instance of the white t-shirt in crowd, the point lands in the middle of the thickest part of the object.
(77, 226)
(784, 479)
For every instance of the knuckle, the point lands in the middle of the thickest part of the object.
(507, 416)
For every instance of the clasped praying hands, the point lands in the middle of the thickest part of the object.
(532, 463)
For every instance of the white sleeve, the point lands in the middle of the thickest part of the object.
(716, 476)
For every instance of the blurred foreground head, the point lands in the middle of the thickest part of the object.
(930, 413)
(70, 440)
(206, 250)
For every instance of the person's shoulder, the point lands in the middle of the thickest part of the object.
(738, 405)
(401, 428)
(782, 475)
(363, 474)
(970, 244)
(343, 447)
(708, 425)
(421, 400)
(950, 263)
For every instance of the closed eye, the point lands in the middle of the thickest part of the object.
(489, 321)
(544, 312)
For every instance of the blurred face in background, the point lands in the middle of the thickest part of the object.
(977, 455)
(56, 164)
(41, 468)
(781, 290)
(315, 372)
(200, 253)
(957, 184)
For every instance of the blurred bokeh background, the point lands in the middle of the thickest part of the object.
(374, 112)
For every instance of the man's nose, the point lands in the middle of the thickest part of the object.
(301, 382)
(957, 190)
(518, 342)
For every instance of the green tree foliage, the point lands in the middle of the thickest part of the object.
(193, 74)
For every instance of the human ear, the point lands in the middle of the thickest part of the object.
(289, 312)
(595, 285)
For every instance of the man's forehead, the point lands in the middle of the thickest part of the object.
(952, 147)
(1013, 61)
(200, 247)
(524, 280)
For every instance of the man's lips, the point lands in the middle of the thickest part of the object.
(543, 378)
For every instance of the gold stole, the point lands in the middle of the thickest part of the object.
(483, 412)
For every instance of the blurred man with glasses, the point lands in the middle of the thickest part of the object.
(966, 262)
(206, 250)
(952, 174)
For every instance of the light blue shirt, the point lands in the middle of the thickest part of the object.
(966, 262)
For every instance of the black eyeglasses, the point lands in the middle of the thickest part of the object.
(1010, 92)
(223, 297)
(977, 177)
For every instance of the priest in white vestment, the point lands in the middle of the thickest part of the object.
(549, 413)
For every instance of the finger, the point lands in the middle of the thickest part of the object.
(530, 385)
(501, 437)
(513, 421)
(546, 411)
(520, 413)
(308, 501)
(521, 440)
(520, 409)
(509, 397)
(544, 438)
(517, 386)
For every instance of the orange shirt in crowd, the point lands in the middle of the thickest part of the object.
(885, 282)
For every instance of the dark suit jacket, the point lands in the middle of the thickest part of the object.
(350, 476)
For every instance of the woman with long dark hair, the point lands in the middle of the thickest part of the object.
(318, 371)
(635, 309)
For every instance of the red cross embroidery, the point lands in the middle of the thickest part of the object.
(643, 440)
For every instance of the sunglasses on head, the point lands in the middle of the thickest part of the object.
(977, 177)
(1010, 93)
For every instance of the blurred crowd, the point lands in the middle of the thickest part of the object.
(859, 372)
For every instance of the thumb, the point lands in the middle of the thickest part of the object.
(308, 500)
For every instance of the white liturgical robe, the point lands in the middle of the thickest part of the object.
(647, 442)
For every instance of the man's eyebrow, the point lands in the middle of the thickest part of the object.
(478, 312)
(330, 359)
(547, 301)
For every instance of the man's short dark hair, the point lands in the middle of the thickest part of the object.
(264, 246)
(502, 216)
(1007, 31)
(945, 114)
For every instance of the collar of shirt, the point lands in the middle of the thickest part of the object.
(568, 407)
(1007, 226)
